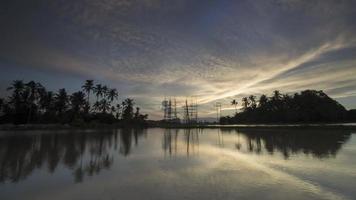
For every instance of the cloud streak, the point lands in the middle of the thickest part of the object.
(214, 50)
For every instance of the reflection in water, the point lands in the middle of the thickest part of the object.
(318, 143)
(171, 141)
(84, 153)
(87, 154)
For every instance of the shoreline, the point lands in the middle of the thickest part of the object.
(24, 127)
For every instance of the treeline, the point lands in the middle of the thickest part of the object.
(31, 103)
(308, 106)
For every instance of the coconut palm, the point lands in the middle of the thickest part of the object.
(245, 103)
(96, 106)
(61, 101)
(88, 87)
(252, 100)
(234, 103)
(112, 109)
(276, 100)
(98, 90)
(78, 102)
(112, 94)
(276, 95)
(118, 110)
(104, 105)
(105, 91)
(127, 109)
(17, 87)
(34, 90)
(46, 101)
(262, 101)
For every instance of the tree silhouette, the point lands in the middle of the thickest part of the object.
(31, 103)
(245, 103)
(47, 101)
(262, 101)
(34, 90)
(61, 101)
(99, 91)
(104, 105)
(127, 113)
(304, 107)
(105, 91)
(77, 101)
(252, 100)
(88, 87)
(96, 106)
(112, 94)
(16, 99)
(234, 103)
(276, 95)
(118, 110)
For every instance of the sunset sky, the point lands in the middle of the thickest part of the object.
(215, 50)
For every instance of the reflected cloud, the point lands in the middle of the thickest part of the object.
(87, 154)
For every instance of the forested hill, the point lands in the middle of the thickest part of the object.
(305, 107)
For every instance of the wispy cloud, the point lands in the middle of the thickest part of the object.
(214, 50)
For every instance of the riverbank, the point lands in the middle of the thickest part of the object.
(9, 127)
(20, 127)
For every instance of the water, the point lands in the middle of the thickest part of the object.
(178, 164)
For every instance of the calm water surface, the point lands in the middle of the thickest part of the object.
(178, 164)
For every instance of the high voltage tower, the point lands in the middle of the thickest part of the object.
(189, 110)
(169, 107)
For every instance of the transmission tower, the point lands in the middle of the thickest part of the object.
(190, 111)
(217, 106)
(169, 108)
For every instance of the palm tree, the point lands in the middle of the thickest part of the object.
(105, 91)
(46, 101)
(88, 87)
(276, 95)
(98, 89)
(252, 99)
(245, 103)
(34, 89)
(96, 106)
(104, 105)
(263, 100)
(77, 100)
(17, 87)
(137, 113)
(118, 110)
(127, 105)
(112, 109)
(61, 101)
(112, 94)
(234, 103)
(276, 100)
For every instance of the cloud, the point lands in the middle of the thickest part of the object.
(214, 50)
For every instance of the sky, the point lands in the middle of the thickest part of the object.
(209, 50)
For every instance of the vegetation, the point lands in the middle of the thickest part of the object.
(31, 103)
(308, 106)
